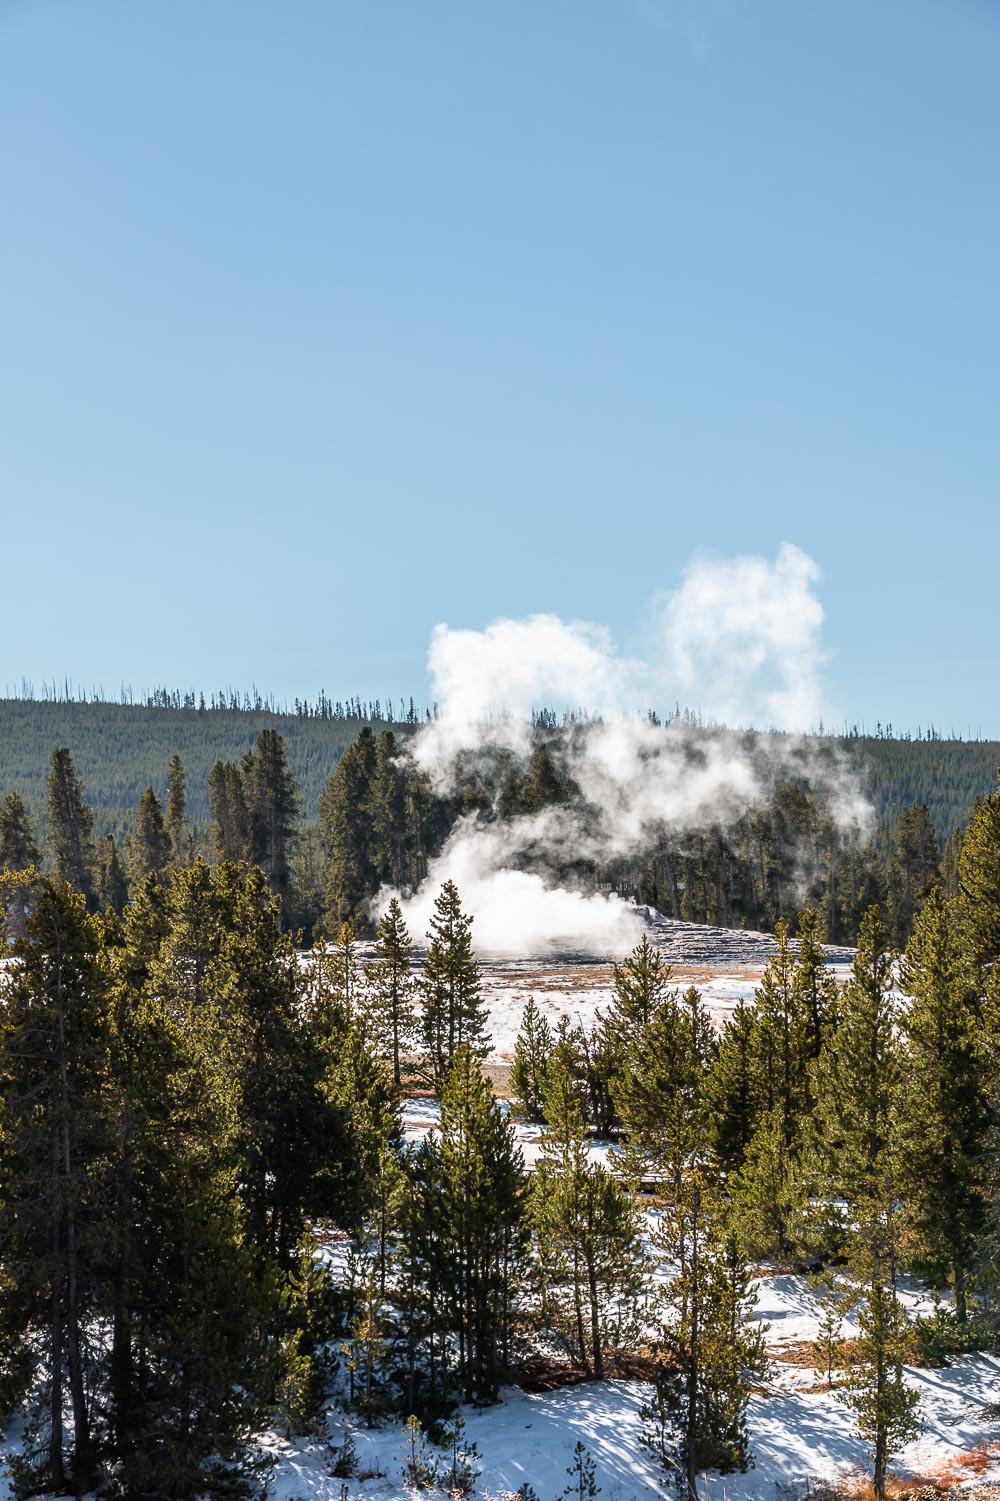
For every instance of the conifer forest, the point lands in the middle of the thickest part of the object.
(279, 1215)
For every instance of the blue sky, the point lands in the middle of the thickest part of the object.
(323, 322)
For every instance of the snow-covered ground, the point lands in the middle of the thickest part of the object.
(577, 993)
(725, 964)
(800, 1431)
(798, 1435)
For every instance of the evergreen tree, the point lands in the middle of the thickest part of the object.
(945, 1113)
(783, 1039)
(228, 812)
(532, 1051)
(730, 1096)
(19, 852)
(451, 988)
(481, 1178)
(18, 846)
(697, 1417)
(582, 1474)
(149, 848)
(950, 858)
(589, 1255)
(858, 1069)
(306, 877)
(767, 1189)
(658, 1093)
(542, 786)
(297, 1159)
(886, 1410)
(393, 987)
(336, 990)
(188, 1304)
(53, 1073)
(360, 1084)
(885, 1407)
(388, 813)
(110, 883)
(345, 814)
(70, 825)
(915, 868)
(424, 1279)
(177, 820)
(979, 880)
(816, 993)
(642, 983)
(272, 805)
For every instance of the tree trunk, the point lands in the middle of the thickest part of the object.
(595, 1324)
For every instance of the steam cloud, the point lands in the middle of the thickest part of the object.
(744, 634)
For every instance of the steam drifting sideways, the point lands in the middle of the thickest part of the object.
(741, 637)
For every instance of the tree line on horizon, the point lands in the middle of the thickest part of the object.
(119, 750)
(379, 825)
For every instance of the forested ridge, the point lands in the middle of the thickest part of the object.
(121, 748)
(334, 811)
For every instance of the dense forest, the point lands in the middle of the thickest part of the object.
(121, 748)
(189, 1111)
(329, 804)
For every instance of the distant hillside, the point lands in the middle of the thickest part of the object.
(120, 749)
(947, 775)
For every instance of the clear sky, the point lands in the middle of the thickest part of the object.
(322, 322)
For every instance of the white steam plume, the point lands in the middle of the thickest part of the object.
(744, 633)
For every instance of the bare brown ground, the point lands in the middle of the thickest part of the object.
(600, 976)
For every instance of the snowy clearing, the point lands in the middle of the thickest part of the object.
(528, 1439)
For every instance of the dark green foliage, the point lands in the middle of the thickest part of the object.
(658, 1092)
(54, 1065)
(453, 1012)
(532, 1051)
(120, 749)
(979, 879)
(760, 1095)
(18, 846)
(915, 868)
(858, 1071)
(110, 883)
(642, 983)
(345, 815)
(69, 825)
(393, 987)
(272, 804)
(885, 1408)
(19, 852)
(461, 1472)
(461, 1227)
(228, 810)
(753, 871)
(149, 849)
(170, 1126)
(177, 818)
(709, 1354)
(480, 1174)
(587, 1248)
(945, 1110)
(388, 798)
